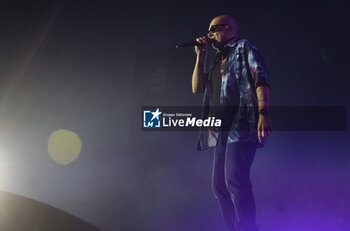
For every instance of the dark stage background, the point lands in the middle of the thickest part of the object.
(89, 66)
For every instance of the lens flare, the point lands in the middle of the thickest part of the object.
(64, 146)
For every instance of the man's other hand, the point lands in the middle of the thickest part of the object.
(264, 127)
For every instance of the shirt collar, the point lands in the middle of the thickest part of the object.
(232, 42)
(229, 43)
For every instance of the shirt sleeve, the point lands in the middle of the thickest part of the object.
(257, 66)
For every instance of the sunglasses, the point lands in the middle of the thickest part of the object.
(215, 28)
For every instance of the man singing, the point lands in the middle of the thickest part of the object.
(236, 88)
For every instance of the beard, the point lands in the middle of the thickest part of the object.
(215, 44)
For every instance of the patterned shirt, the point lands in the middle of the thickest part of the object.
(242, 71)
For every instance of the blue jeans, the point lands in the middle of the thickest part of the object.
(231, 183)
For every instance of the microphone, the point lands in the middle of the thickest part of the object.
(189, 44)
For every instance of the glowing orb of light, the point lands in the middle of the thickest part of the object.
(64, 146)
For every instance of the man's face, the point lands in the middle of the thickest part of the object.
(218, 32)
